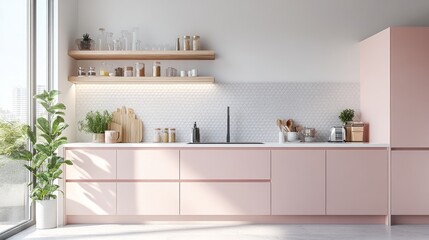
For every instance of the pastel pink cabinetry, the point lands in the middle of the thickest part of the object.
(90, 197)
(298, 182)
(147, 190)
(357, 182)
(225, 182)
(91, 164)
(410, 178)
(394, 70)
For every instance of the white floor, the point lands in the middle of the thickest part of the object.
(228, 231)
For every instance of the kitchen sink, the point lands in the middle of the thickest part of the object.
(227, 143)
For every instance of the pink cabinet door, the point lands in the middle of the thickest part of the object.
(409, 87)
(224, 198)
(357, 182)
(148, 198)
(225, 164)
(298, 182)
(90, 198)
(148, 164)
(410, 181)
(91, 164)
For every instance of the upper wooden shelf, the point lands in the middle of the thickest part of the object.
(143, 55)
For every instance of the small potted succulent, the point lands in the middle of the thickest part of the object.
(346, 116)
(85, 43)
(96, 123)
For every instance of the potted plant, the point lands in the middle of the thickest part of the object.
(85, 43)
(43, 162)
(96, 123)
(346, 116)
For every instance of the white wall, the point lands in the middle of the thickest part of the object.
(65, 30)
(260, 41)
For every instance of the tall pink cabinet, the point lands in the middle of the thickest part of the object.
(394, 75)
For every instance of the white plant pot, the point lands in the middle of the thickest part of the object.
(46, 214)
(98, 137)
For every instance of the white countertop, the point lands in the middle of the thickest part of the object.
(265, 145)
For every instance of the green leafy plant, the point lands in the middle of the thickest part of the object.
(86, 37)
(44, 163)
(347, 115)
(12, 137)
(95, 122)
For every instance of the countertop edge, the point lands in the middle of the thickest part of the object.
(265, 145)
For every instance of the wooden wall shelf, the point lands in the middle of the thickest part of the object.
(141, 80)
(143, 55)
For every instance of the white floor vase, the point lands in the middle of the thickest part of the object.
(46, 214)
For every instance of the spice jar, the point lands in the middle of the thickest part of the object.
(165, 135)
(139, 70)
(119, 72)
(81, 72)
(186, 43)
(172, 135)
(196, 43)
(156, 72)
(157, 135)
(128, 71)
(91, 72)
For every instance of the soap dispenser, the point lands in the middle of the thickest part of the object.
(195, 134)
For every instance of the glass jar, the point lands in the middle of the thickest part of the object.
(156, 72)
(81, 72)
(128, 71)
(186, 43)
(196, 43)
(101, 40)
(91, 72)
(164, 136)
(172, 135)
(157, 135)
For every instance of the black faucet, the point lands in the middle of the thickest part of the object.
(227, 126)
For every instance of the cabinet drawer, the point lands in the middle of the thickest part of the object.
(225, 198)
(90, 198)
(357, 182)
(91, 164)
(225, 164)
(410, 178)
(148, 164)
(148, 198)
(298, 182)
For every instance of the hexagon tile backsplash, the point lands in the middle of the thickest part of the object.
(254, 107)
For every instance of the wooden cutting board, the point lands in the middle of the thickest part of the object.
(132, 127)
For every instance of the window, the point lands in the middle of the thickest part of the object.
(18, 44)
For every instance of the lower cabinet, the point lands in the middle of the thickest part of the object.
(90, 198)
(410, 179)
(148, 198)
(298, 182)
(225, 198)
(357, 182)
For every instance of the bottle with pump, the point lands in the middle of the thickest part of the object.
(195, 134)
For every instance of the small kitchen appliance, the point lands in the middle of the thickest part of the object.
(338, 134)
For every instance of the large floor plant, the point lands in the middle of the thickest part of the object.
(44, 163)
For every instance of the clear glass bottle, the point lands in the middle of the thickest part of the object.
(101, 40)
(186, 43)
(139, 70)
(156, 72)
(128, 71)
(196, 43)
(164, 135)
(172, 135)
(157, 135)
(109, 41)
